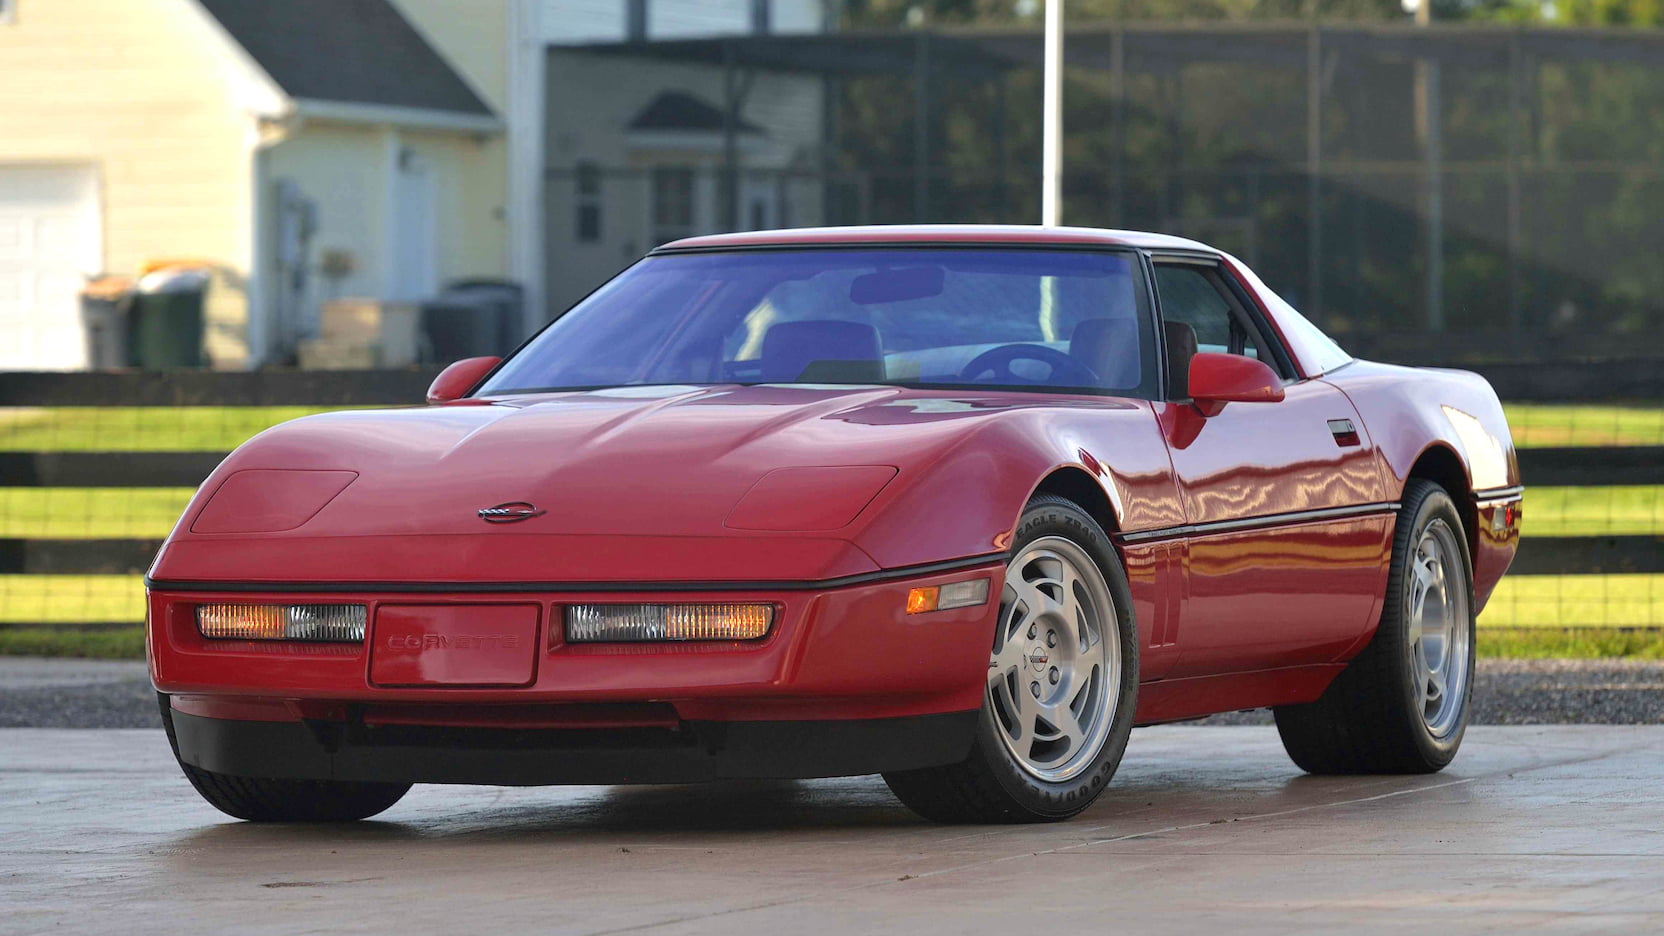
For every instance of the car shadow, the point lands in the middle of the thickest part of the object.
(432, 814)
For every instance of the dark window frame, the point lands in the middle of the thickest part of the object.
(1245, 313)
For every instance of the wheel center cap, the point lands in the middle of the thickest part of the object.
(1038, 658)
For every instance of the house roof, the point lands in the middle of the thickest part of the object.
(678, 110)
(350, 52)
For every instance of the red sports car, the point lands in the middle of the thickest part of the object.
(957, 505)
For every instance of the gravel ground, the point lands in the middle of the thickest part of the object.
(1548, 692)
(38, 693)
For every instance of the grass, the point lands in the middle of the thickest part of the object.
(71, 599)
(1621, 510)
(140, 428)
(1558, 601)
(1537, 425)
(90, 513)
(1571, 643)
(125, 643)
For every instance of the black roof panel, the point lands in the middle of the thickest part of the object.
(351, 51)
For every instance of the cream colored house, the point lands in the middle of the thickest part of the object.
(319, 150)
(307, 149)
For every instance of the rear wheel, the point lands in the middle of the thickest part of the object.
(1402, 705)
(279, 800)
(1062, 682)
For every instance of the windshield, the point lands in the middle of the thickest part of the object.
(1016, 319)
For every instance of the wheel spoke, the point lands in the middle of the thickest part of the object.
(1435, 687)
(1009, 656)
(1064, 727)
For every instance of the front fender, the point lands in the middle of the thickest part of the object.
(967, 501)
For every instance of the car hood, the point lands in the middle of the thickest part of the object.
(607, 468)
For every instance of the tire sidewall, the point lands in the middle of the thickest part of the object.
(1434, 504)
(1048, 516)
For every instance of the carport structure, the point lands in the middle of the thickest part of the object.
(1385, 178)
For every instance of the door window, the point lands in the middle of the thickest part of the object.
(1199, 314)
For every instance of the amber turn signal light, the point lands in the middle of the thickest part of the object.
(332, 623)
(946, 597)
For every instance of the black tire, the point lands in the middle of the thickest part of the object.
(278, 800)
(1370, 720)
(989, 786)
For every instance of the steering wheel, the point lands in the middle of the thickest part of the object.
(1065, 370)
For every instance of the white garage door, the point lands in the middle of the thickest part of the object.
(49, 242)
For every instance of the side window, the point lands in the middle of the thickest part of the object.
(1199, 315)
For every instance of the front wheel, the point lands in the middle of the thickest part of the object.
(1062, 682)
(1402, 705)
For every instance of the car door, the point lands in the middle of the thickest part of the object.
(1282, 549)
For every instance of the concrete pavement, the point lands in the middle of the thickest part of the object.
(1207, 829)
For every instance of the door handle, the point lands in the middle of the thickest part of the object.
(1346, 435)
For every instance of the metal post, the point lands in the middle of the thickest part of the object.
(1118, 122)
(1427, 107)
(1435, 201)
(921, 128)
(729, 188)
(1314, 173)
(1002, 158)
(1051, 148)
(1516, 245)
(831, 142)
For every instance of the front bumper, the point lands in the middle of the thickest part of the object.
(845, 683)
(684, 753)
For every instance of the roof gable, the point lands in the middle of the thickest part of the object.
(678, 110)
(346, 51)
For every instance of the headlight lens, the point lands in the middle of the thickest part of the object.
(336, 623)
(599, 623)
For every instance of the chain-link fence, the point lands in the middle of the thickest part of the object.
(1384, 179)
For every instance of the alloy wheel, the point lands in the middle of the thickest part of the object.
(1055, 674)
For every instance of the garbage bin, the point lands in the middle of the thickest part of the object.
(105, 301)
(165, 323)
(472, 318)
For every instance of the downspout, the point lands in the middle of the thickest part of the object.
(264, 133)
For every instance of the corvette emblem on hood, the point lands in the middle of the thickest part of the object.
(511, 512)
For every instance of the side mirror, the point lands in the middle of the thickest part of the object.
(454, 382)
(1217, 379)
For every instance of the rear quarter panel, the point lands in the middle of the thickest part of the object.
(1410, 411)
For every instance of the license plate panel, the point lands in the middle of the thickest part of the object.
(461, 646)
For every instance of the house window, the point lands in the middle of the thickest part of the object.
(672, 204)
(588, 182)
